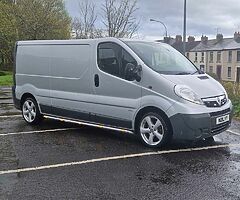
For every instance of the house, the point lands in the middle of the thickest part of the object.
(220, 55)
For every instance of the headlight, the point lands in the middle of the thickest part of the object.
(187, 93)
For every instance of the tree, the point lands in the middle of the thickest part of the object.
(31, 20)
(42, 19)
(8, 34)
(119, 18)
(84, 25)
(7, 1)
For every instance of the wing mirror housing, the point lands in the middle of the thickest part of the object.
(133, 72)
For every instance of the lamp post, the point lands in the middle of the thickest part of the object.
(184, 27)
(153, 20)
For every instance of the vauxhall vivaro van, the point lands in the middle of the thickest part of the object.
(144, 87)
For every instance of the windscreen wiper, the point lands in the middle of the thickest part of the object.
(183, 73)
(195, 72)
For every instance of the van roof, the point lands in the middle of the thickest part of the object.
(59, 42)
(73, 41)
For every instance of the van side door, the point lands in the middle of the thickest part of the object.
(117, 99)
(70, 81)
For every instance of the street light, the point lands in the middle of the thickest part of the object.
(153, 20)
(184, 27)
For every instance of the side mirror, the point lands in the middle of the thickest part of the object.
(133, 72)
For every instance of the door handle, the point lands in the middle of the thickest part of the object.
(96, 80)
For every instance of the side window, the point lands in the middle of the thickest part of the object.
(109, 58)
(126, 58)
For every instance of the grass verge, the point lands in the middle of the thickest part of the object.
(6, 78)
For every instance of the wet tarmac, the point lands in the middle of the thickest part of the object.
(58, 160)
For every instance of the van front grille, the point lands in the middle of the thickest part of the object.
(219, 113)
(217, 101)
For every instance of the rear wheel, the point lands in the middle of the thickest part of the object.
(153, 130)
(30, 111)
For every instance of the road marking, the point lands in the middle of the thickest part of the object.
(44, 167)
(6, 103)
(9, 116)
(233, 132)
(40, 131)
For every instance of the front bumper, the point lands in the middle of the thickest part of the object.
(199, 126)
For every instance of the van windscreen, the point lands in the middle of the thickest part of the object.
(162, 58)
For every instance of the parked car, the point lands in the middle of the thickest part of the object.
(147, 88)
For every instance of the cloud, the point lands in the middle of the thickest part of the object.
(203, 17)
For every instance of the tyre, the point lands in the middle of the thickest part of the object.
(153, 130)
(30, 111)
(209, 140)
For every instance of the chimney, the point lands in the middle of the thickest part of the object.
(167, 40)
(204, 39)
(219, 37)
(237, 36)
(178, 38)
(191, 39)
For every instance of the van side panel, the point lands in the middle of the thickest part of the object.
(32, 72)
(70, 80)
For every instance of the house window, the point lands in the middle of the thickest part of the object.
(230, 56)
(211, 57)
(219, 57)
(202, 58)
(211, 69)
(238, 56)
(196, 56)
(229, 72)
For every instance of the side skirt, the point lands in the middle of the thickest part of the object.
(86, 118)
(88, 124)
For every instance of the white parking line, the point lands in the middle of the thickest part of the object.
(10, 116)
(233, 132)
(115, 158)
(39, 131)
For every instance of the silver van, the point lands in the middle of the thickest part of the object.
(147, 88)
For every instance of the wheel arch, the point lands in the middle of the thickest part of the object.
(25, 96)
(147, 109)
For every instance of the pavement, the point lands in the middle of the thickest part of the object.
(58, 160)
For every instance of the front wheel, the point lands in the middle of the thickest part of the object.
(153, 130)
(209, 140)
(30, 111)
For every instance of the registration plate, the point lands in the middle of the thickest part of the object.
(222, 119)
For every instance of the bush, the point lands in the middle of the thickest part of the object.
(2, 73)
(233, 90)
(5, 73)
(236, 105)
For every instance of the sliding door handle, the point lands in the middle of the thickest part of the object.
(96, 80)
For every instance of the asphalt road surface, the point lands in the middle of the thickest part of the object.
(58, 160)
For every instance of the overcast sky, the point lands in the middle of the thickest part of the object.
(203, 16)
